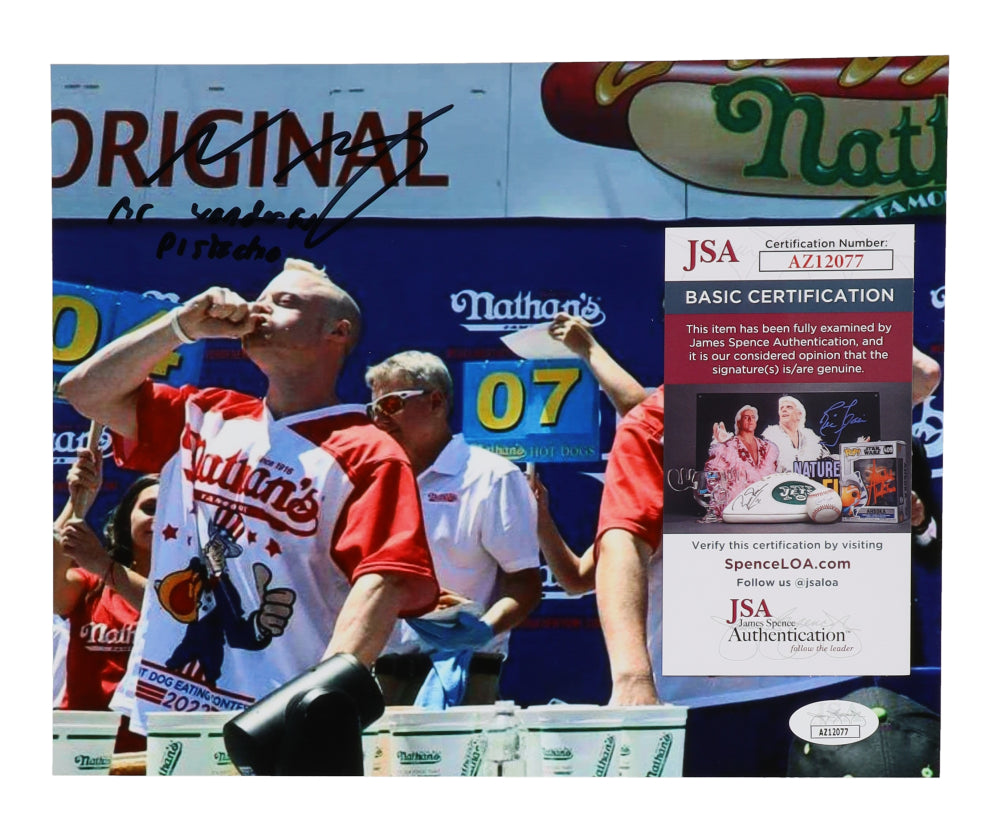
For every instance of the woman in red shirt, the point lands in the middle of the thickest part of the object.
(100, 590)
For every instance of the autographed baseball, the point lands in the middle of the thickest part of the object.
(824, 506)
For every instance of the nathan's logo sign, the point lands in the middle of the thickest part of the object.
(868, 128)
(486, 312)
(65, 444)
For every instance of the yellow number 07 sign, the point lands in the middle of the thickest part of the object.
(534, 411)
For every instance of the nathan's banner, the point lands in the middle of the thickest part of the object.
(250, 150)
(84, 319)
(532, 411)
(788, 364)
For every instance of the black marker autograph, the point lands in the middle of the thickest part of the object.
(201, 140)
(751, 497)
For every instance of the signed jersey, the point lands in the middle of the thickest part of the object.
(262, 525)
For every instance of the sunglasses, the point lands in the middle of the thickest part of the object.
(390, 404)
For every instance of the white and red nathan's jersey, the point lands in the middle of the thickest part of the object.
(633, 500)
(251, 505)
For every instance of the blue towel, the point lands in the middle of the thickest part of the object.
(446, 681)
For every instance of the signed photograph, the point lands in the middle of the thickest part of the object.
(402, 414)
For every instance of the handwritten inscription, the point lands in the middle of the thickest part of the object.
(751, 497)
(198, 143)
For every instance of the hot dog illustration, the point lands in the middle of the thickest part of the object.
(851, 127)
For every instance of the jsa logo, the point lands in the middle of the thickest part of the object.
(710, 253)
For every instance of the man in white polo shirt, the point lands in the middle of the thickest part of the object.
(481, 521)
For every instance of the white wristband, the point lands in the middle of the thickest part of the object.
(175, 325)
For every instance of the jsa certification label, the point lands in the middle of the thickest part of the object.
(787, 371)
(786, 604)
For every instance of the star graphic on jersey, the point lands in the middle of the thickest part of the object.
(169, 532)
(251, 536)
(273, 547)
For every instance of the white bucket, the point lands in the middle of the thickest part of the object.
(373, 747)
(83, 742)
(652, 744)
(572, 740)
(483, 716)
(376, 740)
(187, 743)
(437, 743)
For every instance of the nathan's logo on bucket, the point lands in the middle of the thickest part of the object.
(87, 762)
(475, 752)
(418, 757)
(607, 757)
(851, 127)
(660, 755)
(222, 759)
(171, 757)
(485, 312)
(557, 753)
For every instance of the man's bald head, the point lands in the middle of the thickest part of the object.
(339, 305)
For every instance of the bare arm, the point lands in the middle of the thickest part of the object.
(573, 572)
(926, 376)
(621, 603)
(619, 385)
(67, 583)
(84, 481)
(520, 593)
(78, 544)
(105, 387)
(368, 616)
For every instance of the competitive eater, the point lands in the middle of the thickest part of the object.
(288, 529)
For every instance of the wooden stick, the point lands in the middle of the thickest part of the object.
(84, 499)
